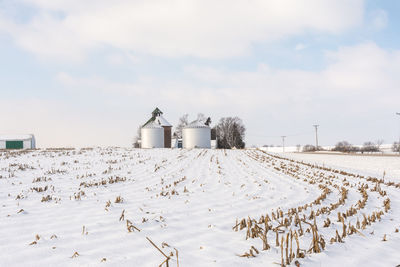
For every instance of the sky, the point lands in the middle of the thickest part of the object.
(88, 73)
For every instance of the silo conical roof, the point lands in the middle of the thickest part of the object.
(162, 121)
(152, 124)
(197, 124)
(158, 118)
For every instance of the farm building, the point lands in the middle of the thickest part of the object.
(152, 135)
(196, 135)
(26, 141)
(177, 142)
(151, 131)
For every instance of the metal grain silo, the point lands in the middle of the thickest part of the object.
(196, 135)
(152, 136)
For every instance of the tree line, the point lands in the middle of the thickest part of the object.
(346, 147)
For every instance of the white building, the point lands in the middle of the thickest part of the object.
(25, 141)
(152, 135)
(196, 135)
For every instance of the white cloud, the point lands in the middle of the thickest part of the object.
(116, 59)
(208, 29)
(97, 84)
(364, 72)
(300, 46)
(379, 19)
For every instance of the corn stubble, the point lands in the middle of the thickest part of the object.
(301, 223)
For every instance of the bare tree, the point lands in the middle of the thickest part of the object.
(345, 146)
(396, 147)
(369, 147)
(137, 137)
(298, 147)
(230, 133)
(201, 117)
(309, 148)
(183, 121)
(379, 142)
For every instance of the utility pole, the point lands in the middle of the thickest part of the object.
(398, 144)
(316, 136)
(283, 142)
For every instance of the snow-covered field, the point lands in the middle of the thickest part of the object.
(96, 207)
(368, 164)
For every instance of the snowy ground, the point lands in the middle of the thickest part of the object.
(62, 208)
(368, 165)
(385, 149)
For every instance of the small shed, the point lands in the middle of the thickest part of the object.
(17, 141)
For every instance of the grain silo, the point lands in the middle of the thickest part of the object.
(17, 141)
(196, 135)
(152, 135)
(158, 120)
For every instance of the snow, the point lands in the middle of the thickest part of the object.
(11, 137)
(187, 200)
(384, 149)
(375, 165)
(197, 124)
(162, 121)
(152, 124)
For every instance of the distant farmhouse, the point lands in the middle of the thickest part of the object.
(26, 141)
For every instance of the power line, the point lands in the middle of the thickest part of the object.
(316, 136)
(283, 142)
(276, 136)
